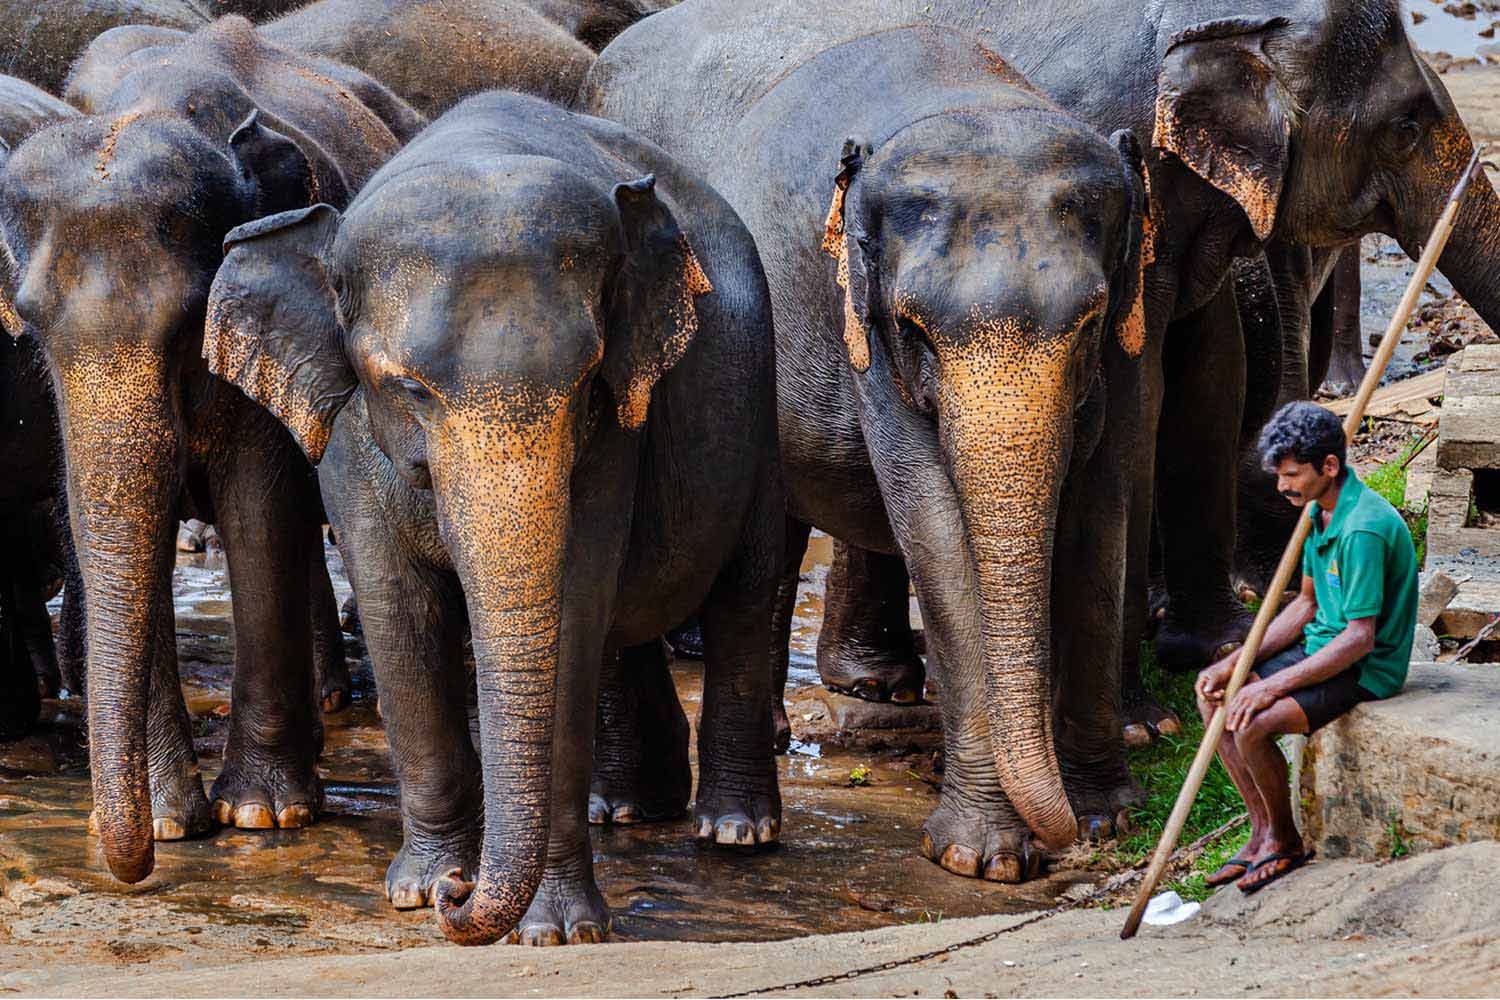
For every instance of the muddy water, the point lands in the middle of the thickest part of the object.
(848, 858)
(1441, 31)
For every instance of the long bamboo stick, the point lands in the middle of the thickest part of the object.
(1292, 556)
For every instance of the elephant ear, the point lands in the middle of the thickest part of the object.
(1222, 110)
(285, 176)
(844, 239)
(9, 319)
(1128, 284)
(654, 306)
(273, 326)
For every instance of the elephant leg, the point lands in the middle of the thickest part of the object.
(641, 769)
(31, 621)
(1197, 452)
(269, 778)
(332, 671)
(1087, 608)
(738, 799)
(568, 907)
(784, 609)
(1337, 310)
(865, 647)
(178, 806)
(20, 700)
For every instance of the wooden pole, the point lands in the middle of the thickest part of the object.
(1291, 558)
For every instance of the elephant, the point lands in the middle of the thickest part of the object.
(114, 222)
(39, 39)
(431, 54)
(1307, 123)
(595, 23)
(955, 268)
(532, 362)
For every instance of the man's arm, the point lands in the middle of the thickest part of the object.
(1344, 650)
(1285, 629)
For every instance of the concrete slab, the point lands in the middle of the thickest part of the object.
(1410, 773)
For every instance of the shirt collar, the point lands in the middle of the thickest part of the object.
(1349, 494)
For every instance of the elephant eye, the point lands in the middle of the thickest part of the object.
(412, 389)
(1405, 134)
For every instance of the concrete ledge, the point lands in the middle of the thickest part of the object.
(1420, 770)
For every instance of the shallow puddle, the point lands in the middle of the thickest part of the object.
(848, 860)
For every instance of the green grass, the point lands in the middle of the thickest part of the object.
(1161, 769)
(1390, 482)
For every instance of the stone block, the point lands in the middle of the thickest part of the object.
(818, 715)
(1417, 771)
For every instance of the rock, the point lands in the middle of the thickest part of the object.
(822, 716)
(43, 890)
(1425, 646)
(1438, 591)
(1410, 773)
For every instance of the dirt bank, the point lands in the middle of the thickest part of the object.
(1428, 925)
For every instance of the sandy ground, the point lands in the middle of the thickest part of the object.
(1428, 925)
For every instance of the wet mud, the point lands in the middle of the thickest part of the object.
(848, 860)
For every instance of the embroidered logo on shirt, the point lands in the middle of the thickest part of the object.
(1333, 574)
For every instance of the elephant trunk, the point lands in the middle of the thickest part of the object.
(1471, 260)
(1007, 441)
(122, 448)
(502, 498)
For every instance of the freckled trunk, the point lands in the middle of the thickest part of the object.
(1471, 259)
(122, 449)
(503, 505)
(1007, 451)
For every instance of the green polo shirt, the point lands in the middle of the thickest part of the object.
(1364, 566)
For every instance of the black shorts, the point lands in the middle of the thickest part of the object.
(1322, 702)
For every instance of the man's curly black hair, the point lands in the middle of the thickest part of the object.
(1304, 431)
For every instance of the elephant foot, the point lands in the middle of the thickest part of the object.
(1103, 807)
(1181, 648)
(336, 687)
(974, 843)
(742, 814)
(564, 911)
(645, 795)
(423, 860)
(179, 809)
(266, 795)
(894, 675)
(1145, 720)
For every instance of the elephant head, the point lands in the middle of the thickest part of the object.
(1322, 124)
(494, 319)
(112, 228)
(992, 259)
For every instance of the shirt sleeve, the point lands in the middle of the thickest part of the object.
(1363, 575)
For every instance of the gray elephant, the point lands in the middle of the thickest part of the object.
(39, 39)
(432, 54)
(958, 328)
(115, 223)
(537, 353)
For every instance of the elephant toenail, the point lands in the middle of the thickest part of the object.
(961, 860)
(1098, 829)
(511, 938)
(93, 823)
(1169, 726)
(598, 810)
(167, 828)
(586, 932)
(294, 817)
(408, 897)
(254, 816)
(768, 830)
(733, 831)
(705, 829)
(223, 812)
(1137, 735)
(1123, 826)
(1003, 868)
(869, 689)
(538, 936)
(335, 701)
(928, 851)
(905, 696)
(626, 813)
(1033, 863)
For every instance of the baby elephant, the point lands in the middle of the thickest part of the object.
(534, 360)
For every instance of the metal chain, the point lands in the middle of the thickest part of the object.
(1109, 885)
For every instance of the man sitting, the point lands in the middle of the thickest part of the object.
(1345, 639)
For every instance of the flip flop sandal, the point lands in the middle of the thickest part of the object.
(1218, 878)
(1297, 861)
